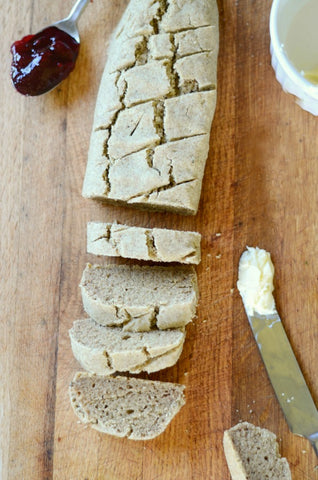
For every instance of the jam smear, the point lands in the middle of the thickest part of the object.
(42, 61)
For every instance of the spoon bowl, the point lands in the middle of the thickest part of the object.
(42, 61)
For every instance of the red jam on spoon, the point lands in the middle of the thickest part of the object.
(42, 61)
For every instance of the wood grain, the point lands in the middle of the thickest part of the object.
(260, 188)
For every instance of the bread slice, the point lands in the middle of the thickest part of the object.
(155, 106)
(139, 298)
(252, 454)
(105, 350)
(125, 407)
(157, 244)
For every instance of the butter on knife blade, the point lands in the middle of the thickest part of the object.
(255, 284)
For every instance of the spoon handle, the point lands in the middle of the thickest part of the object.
(77, 10)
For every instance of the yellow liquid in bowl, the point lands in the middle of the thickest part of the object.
(301, 42)
(311, 76)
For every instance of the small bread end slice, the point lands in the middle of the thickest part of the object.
(125, 407)
(157, 244)
(252, 453)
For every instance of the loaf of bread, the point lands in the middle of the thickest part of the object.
(105, 350)
(157, 244)
(252, 454)
(139, 298)
(156, 102)
(125, 407)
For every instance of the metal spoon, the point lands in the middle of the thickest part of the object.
(69, 24)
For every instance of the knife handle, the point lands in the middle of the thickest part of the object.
(314, 443)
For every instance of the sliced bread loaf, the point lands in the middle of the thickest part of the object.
(156, 102)
(105, 350)
(252, 454)
(125, 407)
(157, 244)
(139, 298)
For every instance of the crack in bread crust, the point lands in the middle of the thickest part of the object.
(150, 242)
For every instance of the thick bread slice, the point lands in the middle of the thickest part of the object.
(105, 350)
(125, 407)
(252, 454)
(157, 244)
(157, 94)
(139, 298)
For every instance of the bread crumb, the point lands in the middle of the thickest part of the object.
(209, 255)
(218, 256)
(218, 234)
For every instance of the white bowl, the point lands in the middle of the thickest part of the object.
(292, 81)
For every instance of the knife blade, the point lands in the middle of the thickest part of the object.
(285, 375)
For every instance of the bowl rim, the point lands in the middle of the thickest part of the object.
(282, 58)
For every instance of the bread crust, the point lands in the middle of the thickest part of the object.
(158, 88)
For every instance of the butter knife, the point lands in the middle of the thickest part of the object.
(285, 375)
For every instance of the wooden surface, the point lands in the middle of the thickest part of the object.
(260, 188)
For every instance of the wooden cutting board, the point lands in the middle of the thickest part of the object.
(260, 188)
